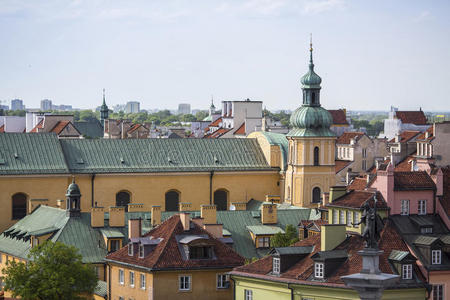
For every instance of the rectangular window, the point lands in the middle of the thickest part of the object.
(114, 245)
(185, 283)
(406, 271)
(130, 249)
(349, 218)
(355, 218)
(422, 207)
(223, 281)
(404, 208)
(426, 230)
(341, 217)
(142, 283)
(263, 242)
(335, 216)
(131, 279)
(121, 277)
(318, 270)
(438, 292)
(436, 257)
(248, 294)
(276, 265)
(141, 251)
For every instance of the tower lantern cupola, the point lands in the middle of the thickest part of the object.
(73, 203)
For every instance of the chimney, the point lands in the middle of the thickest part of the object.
(397, 139)
(331, 235)
(186, 221)
(336, 192)
(208, 213)
(97, 217)
(185, 206)
(116, 216)
(60, 203)
(136, 207)
(268, 213)
(239, 205)
(156, 215)
(134, 228)
(325, 198)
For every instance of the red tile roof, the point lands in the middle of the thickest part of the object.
(339, 165)
(2, 128)
(216, 122)
(412, 117)
(339, 116)
(405, 165)
(410, 181)
(347, 136)
(167, 255)
(136, 127)
(303, 270)
(39, 125)
(60, 125)
(356, 199)
(405, 136)
(430, 132)
(218, 133)
(358, 184)
(241, 129)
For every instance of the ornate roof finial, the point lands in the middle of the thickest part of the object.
(311, 64)
(104, 102)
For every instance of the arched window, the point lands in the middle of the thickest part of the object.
(172, 201)
(19, 206)
(313, 98)
(221, 199)
(122, 199)
(316, 156)
(316, 195)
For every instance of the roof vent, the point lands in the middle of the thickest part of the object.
(216, 160)
(16, 155)
(122, 160)
(169, 159)
(80, 161)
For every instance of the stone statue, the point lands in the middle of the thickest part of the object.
(373, 225)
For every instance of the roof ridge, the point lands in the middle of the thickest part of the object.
(166, 241)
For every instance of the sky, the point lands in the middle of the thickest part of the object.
(370, 54)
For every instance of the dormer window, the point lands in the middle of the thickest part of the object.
(426, 230)
(407, 271)
(436, 257)
(318, 270)
(276, 265)
(141, 251)
(130, 249)
(200, 252)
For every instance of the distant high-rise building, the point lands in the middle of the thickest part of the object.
(62, 107)
(184, 108)
(46, 104)
(4, 107)
(132, 107)
(17, 104)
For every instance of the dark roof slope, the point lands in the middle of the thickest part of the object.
(412, 117)
(90, 129)
(405, 136)
(162, 155)
(167, 255)
(28, 153)
(339, 116)
(356, 199)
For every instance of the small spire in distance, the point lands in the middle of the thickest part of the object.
(104, 102)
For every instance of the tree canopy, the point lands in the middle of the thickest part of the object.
(285, 239)
(53, 271)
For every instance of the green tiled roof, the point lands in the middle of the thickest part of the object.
(398, 255)
(264, 229)
(90, 129)
(112, 233)
(163, 155)
(293, 250)
(31, 153)
(425, 240)
(101, 289)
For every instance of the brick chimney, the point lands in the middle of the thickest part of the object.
(185, 206)
(269, 213)
(116, 216)
(156, 215)
(208, 213)
(186, 221)
(331, 235)
(134, 228)
(97, 217)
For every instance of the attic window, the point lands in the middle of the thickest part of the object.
(407, 271)
(141, 251)
(318, 270)
(276, 265)
(204, 252)
(426, 230)
(130, 249)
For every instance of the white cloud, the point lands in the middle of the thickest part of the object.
(320, 6)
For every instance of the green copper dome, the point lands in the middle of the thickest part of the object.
(311, 79)
(73, 189)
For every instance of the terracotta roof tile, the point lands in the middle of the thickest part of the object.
(339, 117)
(430, 132)
(2, 128)
(339, 165)
(356, 199)
(347, 136)
(167, 255)
(241, 129)
(39, 125)
(60, 125)
(405, 136)
(216, 122)
(405, 165)
(412, 117)
(218, 133)
(358, 184)
(409, 181)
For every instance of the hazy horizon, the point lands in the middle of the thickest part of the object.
(370, 55)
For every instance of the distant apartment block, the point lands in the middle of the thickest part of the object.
(132, 107)
(4, 107)
(62, 107)
(184, 108)
(46, 104)
(17, 104)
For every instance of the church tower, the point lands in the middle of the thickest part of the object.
(311, 168)
(104, 111)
